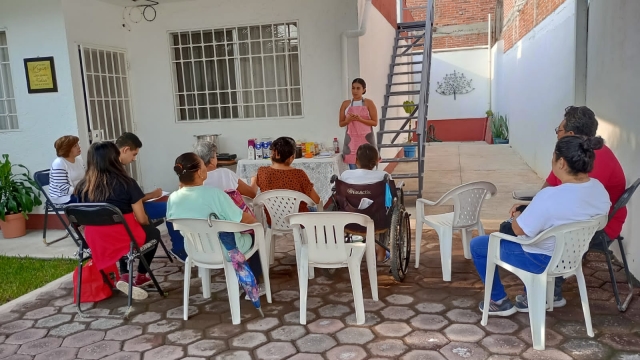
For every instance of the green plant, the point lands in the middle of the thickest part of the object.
(408, 106)
(18, 192)
(499, 126)
(489, 113)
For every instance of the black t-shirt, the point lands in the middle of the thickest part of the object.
(122, 196)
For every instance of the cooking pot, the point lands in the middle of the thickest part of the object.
(212, 137)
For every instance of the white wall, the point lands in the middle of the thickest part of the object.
(536, 81)
(474, 64)
(36, 28)
(321, 24)
(612, 92)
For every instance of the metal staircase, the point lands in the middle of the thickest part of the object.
(412, 39)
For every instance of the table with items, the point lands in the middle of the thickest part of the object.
(319, 169)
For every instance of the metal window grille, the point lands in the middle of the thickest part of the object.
(237, 73)
(8, 112)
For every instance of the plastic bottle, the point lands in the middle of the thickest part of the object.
(336, 146)
(251, 154)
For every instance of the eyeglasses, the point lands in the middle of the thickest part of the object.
(558, 130)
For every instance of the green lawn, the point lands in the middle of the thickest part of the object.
(21, 275)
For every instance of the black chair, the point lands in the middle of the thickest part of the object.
(622, 202)
(101, 214)
(42, 179)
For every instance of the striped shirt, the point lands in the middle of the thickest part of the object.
(63, 178)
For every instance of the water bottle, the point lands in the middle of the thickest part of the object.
(336, 146)
(258, 150)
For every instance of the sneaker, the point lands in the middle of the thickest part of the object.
(261, 289)
(180, 255)
(142, 280)
(522, 303)
(503, 307)
(136, 292)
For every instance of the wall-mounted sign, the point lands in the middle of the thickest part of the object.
(454, 84)
(41, 75)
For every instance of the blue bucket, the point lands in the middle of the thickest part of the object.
(409, 151)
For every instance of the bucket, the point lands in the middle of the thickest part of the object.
(409, 151)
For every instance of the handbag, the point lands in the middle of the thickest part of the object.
(96, 284)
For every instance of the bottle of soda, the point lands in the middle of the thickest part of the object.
(336, 146)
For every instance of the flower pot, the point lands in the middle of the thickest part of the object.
(13, 226)
(499, 141)
(409, 151)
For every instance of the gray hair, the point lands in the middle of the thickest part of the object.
(204, 150)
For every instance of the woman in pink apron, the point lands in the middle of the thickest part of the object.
(359, 115)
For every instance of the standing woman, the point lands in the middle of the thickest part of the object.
(359, 115)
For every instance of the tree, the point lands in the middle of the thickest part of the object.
(453, 84)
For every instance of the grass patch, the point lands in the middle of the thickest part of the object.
(21, 275)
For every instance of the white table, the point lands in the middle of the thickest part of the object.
(319, 171)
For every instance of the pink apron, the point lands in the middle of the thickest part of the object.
(357, 133)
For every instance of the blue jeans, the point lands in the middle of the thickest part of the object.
(511, 253)
(228, 240)
(352, 166)
(158, 210)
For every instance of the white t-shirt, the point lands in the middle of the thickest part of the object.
(223, 179)
(363, 176)
(559, 205)
(63, 178)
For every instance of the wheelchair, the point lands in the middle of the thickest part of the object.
(392, 225)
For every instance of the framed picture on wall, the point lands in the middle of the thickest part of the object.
(41, 75)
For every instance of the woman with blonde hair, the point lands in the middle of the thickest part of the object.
(66, 170)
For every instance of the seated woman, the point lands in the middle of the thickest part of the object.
(66, 170)
(282, 176)
(106, 181)
(579, 198)
(195, 201)
(366, 160)
(222, 178)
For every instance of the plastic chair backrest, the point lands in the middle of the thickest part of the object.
(324, 233)
(279, 204)
(467, 201)
(624, 199)
(201, 241)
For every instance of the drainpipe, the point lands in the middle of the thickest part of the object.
(490, 65)
(345, 48)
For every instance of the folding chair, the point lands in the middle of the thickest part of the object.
(42, 179)
(101, 214)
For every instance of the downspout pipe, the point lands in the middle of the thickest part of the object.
(345, 47)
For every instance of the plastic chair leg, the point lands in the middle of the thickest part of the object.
(356, 285)
(303, 280)
(481, 229)
(205, 275)
(536, 294)
(418, 234)
(467, 234)
(234, 292)
(187, 285)
(271, 246)
(264, 263)
(551, 284)
(445, 236)
(488, 285)
(582, 285)
(370, 255)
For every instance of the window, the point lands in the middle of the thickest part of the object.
(8, 113)
(237, 73)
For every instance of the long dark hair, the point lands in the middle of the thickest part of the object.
(103, 169)
(186, 166)
(284, 147)
(578, 152)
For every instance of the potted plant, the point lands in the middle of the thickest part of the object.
(18, 197)
(410, 147)
(500, 129)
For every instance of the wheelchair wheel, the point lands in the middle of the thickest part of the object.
(400, 242)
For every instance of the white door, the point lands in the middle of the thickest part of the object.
(107, 95)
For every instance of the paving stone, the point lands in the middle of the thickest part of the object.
(623, 342)
(370, 319)
(106, 324)
(397, 299)
(26, 336)
(306, 356)
(206, 348)
(315, 343)
(16, 326)
(125, 332)
(40, 346)
(288, 332)
(390, 348)
(312, 302)
(64, 301)
(124, 355)
(143, 343)
(552, 338)
(334, 310)
(503, 344)
(430, 307)
(464, 302)
(65, 330)
(8, 317)
(342, 296)
(40, 313)
(248, 340)
(546, 354)
(586, 349)
(99, 350)
(464, 316)
(224, 330)
(58, 354)
(184, 337)
(371, 305)
(325, 326)
(571, 329)
(430, 340)
(612, 323)
(165, 352)
(464, 333)
(346, 352)
(7, 350)
(234, 355)
(428, 322)
(294, 317)
(460, 350)
(178, 313)
(84, 338)
(263, 324)
(73, 309)
(626, 356)
(146, 318)
(397, 313)
(500, 326)
(275, 351)
(285, 295)
(422, 355)
(392, 329)
(318, 290)
(353, 335)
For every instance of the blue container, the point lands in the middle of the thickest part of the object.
(258, 150)
(410, 151)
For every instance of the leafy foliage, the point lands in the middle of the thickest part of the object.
(499, 126)
(408, 106)
(18, 192)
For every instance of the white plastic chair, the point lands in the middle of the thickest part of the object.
(319, 241)
(467, 203)
(279, 204)
(572, 242)
(204, 250)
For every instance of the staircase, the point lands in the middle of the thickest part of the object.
(408, 79)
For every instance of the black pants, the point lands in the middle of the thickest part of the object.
(152, 233)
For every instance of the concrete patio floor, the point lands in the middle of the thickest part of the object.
(421, 318)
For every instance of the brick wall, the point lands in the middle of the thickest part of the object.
(520, 17)
(452, 13)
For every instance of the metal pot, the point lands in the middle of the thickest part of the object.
(212, 137)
